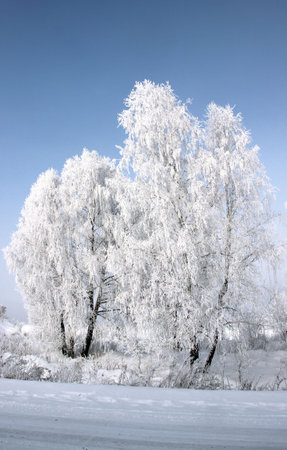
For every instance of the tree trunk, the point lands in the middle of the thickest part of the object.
(176, 343)
(67, 350)
(71, 348)
(89, 336)
(193, 354)
(212, 352)
(221, 294)
(63, 337)
(92, 321)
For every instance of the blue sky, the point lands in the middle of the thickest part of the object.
(67, 65)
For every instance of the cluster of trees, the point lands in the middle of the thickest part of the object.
(166, 245)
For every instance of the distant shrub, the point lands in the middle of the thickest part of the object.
(24, 368)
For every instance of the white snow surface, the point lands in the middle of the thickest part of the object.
(42, 415)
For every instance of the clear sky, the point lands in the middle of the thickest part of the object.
(66, 66)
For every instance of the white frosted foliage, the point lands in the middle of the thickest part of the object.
(170, 255)
(59, 252)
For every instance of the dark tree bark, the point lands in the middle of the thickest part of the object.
(212, 352)
(71, 348)
(193, 354)
(63, 336)
(176, 343)
(67, 350)
(92, 320)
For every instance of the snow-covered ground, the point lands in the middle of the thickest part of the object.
(42, 415)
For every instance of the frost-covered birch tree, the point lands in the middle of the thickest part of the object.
(239, 230)
(90, 210)
(33, 260)
(203, 219)
(158, 147)
(59, 253)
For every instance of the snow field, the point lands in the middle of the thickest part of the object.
(43, 415)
